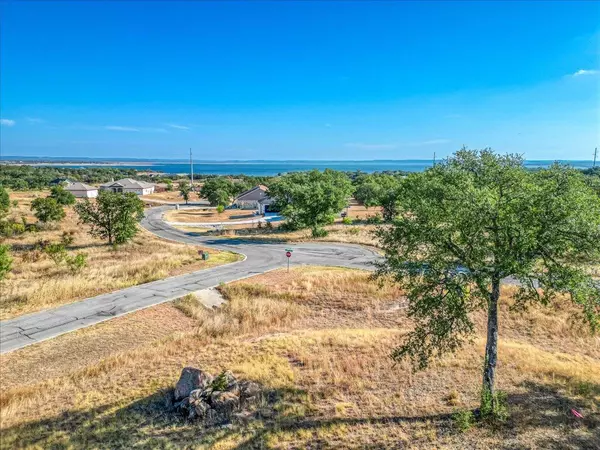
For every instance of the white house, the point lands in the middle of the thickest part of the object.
(128, 185)
(250, 199)
(81, 190)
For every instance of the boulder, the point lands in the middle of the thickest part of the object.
(191, 379)
(224, 403)
(248, 389)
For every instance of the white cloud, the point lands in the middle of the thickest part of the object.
(586, 72)
(120, 128)
(364, 146)
(7, 122)
(178, 127)
(34, 120)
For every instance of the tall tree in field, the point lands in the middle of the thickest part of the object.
(47, 210)
(472, 221)
(379, 189)
(184, 191)
(61, 195)
(311, 199)
(220, 191)
(112, 216)
(4, 202)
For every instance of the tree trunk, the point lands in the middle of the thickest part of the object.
(491, 348)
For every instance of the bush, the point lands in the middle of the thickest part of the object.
(269, 225)
(347, 221)
(56, 252)
(5, 261)
(62, 196)
(494, 408)
(463, 420)
(77, 262)
(47, 210)
(354, 231)
(374, 220)
(220, 209)
(318, 232)
(67, 238)
(11, 227)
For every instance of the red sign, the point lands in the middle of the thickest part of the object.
(288, 254)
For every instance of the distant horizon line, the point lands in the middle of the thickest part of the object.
(186, 161)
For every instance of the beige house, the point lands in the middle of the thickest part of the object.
(128, 185)
(251, 198)
(81, 190)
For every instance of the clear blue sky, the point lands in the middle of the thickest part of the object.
(299, 80)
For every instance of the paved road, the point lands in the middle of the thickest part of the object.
(260, 257)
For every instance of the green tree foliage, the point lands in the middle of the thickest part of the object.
(112, 216)
(379, 190)
(5, 261)
(185, 190)
(47, 210)
(221, 190)
(61, 195)
(311, 199)
(4, 202)
(474, 220)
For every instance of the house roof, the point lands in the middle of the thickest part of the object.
(77, 186)
(256, 193)
(128, 183)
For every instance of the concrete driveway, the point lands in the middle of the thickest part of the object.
(259, 258)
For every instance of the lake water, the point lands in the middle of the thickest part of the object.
(268, 168)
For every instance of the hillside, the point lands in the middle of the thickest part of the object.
(317, 340)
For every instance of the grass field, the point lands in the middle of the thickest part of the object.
(208, 215)
(318, 340)
(36, 282)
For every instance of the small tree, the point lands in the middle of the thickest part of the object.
(5, 261)
(169, 187)
(184, 191)
(61, 195)
(469, 222)
(4, 202)
(47, 210)
(219, 191)
(220, 209)
(113, 216)
(311, 199)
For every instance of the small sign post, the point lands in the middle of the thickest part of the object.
(288, 253)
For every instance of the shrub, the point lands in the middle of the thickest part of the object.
(318, 232)
(47, 210)
(67, 238)
(494, 407)
(269, 225)
(77, 262)
(219, 383)
(220, 209)
(463, 420)
(347, 221)
(56, 252)
(5, 261)
(62, 196)
(374, 220)
(41, 244)
(354, 231)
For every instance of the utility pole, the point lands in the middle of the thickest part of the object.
(595, 156)
(191, 171)
(433, 159)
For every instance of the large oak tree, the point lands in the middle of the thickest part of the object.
(474, 220)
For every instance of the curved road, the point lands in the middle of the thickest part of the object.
(259, 257)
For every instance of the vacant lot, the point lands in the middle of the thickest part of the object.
(36, 282)
(318, 340)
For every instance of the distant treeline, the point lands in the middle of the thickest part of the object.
(24, 177)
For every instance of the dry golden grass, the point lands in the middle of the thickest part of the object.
(171, 196)
(37, 284)
(318, 340)
(208, 215)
